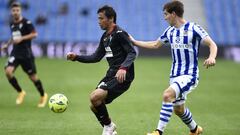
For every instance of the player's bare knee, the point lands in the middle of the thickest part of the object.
(95, 99)
(9, 73)
(167, 97)
(33, 77)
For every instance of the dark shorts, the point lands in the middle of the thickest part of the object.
(113, 87)
(27, 64)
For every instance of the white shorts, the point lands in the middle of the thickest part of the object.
(183, 85)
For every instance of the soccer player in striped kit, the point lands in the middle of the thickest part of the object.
(184, 38)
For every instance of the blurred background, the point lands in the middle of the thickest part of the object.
(71, 25)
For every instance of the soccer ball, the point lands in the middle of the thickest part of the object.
(58, 103)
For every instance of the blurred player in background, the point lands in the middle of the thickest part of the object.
(184, 38)
(116, 46)
(22, 33)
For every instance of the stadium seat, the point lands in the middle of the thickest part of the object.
(144, 20)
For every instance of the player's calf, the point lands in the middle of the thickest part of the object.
(9, 72)
(179, 110)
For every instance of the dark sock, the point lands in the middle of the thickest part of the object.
(98, 117)
(159, 131)
(103, 114)
(13, 81)
(39, 87)
(194, 130)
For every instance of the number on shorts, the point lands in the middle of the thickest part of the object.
(11, 59)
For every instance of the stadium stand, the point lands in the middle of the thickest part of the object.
(80, 22)
(223, 18)
(141, 18)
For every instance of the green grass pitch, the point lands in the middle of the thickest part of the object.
(215, 103)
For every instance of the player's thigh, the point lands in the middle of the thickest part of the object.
(169, 94)
(115, 89)
(28, 66)
(183, 85)
(98, 95)
(11, 64)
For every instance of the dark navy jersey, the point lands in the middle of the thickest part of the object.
(118, 50)
(22, 28)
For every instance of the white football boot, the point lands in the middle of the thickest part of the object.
(109, 129)
(114, 132)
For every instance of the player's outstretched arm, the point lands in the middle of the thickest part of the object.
(5, 46)
(211, 60)
(95, 57)
(146, 44)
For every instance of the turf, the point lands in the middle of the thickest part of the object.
(215, 103)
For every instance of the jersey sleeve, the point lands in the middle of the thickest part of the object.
(199, 32)
(95, 57)
(163, 38)
(128, 47)
(30, 26)
(10, 25)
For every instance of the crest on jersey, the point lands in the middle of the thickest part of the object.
(177, 40)
(119, 31)
(105, 39)
(20, 25)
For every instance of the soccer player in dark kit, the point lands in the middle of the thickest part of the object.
(22, 33)
(120, 54)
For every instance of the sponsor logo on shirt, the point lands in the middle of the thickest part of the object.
(181, 46)
(16, 34)
(108, 52)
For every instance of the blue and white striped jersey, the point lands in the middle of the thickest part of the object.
(184, 43)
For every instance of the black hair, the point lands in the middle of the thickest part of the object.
(109, 12)
(16, 4)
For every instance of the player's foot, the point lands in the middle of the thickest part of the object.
(114, 133)
(43, 101)
(20, 97)
(154, 133)
(109, 129)
(198, 131)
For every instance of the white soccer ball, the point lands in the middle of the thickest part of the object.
(58, 103)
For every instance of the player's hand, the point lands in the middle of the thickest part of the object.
(17, 41)
(209, 62)
(71, 56)
(4, 47)
(121, 75)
